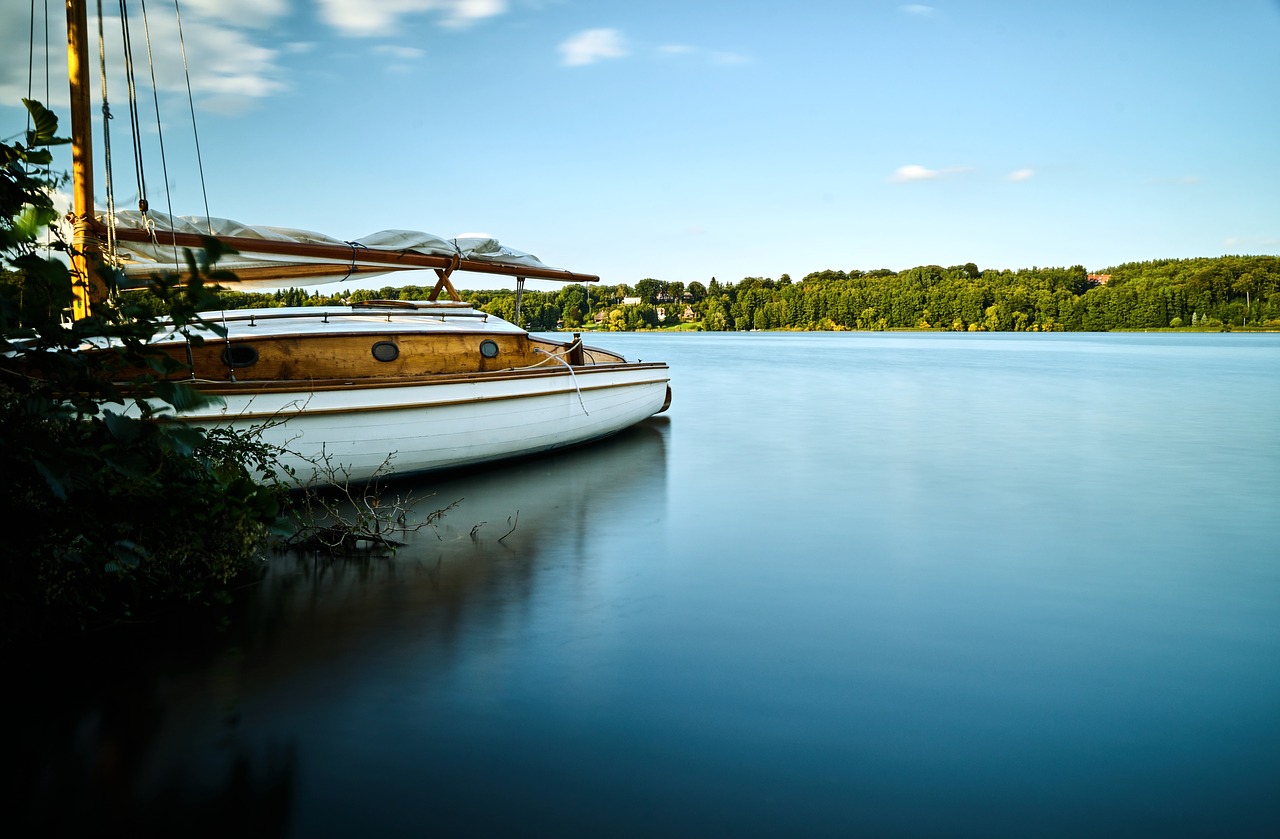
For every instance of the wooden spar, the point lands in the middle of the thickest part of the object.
(342, 254)
(278, 271)
(443, 284)
(86, 252)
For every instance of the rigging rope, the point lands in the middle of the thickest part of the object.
(46, 52)
(164, 163)
(31, 56)
(155, 98)
(31, 75)
(191, 102)
(134, 121)
(110, 250)
(31, 82)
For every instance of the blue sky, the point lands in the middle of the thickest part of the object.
(686, 139)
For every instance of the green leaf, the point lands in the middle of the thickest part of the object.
(181, 396)
(182, 438)
(125, 429)
(165, 365)
(37, 157)
(32, 221)
(45, 124)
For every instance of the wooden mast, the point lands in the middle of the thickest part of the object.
(86, 253)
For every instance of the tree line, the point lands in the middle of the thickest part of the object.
(1209, 293)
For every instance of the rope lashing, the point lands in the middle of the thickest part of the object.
(351, 269)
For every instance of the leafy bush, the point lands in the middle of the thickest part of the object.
(114, 517)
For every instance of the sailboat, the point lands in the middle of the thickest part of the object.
(350, 393)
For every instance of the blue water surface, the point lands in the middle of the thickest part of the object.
(852, 584)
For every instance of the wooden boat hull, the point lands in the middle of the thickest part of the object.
(338, 432)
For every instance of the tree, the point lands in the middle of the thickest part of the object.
(648, 290)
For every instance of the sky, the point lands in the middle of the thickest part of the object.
(688, 139)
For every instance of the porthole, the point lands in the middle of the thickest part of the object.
(488, 348)
(239, 355)
(386, 351)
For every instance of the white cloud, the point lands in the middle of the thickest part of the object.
(222, 61)
(229, 66)
(592, 45)
(916, 172)
(918, 10)
(1020, 175)
(676, 49)
(380, 17)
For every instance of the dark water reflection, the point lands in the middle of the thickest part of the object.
(902, 585)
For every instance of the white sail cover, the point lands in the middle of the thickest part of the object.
(147, 258)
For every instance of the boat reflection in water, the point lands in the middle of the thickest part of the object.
(509, 524)
(260, 734)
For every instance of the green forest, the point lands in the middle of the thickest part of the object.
(1228, 292)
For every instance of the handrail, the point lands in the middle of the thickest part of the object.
(325, 312)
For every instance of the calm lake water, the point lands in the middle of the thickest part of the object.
(851, 585)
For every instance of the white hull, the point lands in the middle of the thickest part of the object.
(361, 431)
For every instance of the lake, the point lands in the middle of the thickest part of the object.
(852, 584)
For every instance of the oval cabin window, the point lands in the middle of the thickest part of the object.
(488, 348)
(386, 351)
(239, 355)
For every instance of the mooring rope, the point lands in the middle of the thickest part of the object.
(573, 376)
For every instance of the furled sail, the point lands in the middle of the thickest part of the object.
(273, 257)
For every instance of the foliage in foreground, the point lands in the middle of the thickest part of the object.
(114, 518)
